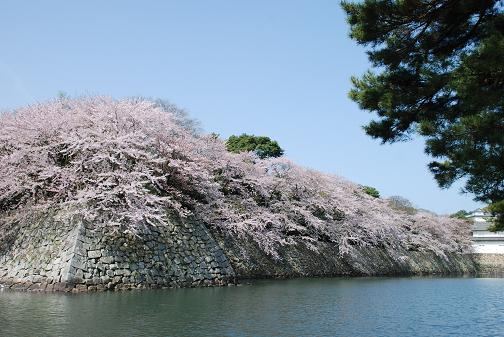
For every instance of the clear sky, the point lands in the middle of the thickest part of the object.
(275, 68)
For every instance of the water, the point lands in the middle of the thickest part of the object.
(303, 307)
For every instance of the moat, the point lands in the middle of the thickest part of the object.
(419, 306)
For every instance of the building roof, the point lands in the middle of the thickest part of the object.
(479, 213)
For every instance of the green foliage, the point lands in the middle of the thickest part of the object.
(371, 191)
(462, 214)
(401, 204)
(497, 210)
(264, 147)
(439, 73)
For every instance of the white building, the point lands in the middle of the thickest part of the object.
(483, 240)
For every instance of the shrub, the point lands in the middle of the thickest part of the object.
(371, 191)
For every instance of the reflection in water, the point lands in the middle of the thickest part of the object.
(321, 307)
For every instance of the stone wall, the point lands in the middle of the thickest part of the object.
(297, 260)
(58, 252)
(52, 255)
(39, 253)
(490, 265)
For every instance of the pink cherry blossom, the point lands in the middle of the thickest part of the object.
(130, 164)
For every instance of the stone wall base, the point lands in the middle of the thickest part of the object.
(55, 252)
(490, 265)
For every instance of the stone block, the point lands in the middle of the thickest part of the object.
(106, 259)
(78, 263)
(123, 265)
(80, 288)
(59, 286)
(94, 254)
(35, 287)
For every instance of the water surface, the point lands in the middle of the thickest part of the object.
(302, 307)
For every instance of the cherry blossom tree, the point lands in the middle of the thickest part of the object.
(127, 165)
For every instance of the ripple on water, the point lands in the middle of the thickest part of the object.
(303, 307)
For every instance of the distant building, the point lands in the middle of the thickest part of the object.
(483, 240)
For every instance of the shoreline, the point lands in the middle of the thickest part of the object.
(489, 266)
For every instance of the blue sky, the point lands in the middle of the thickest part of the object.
(275, 68)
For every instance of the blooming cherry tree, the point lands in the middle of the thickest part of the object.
(128, 165)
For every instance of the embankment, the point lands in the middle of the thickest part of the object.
(59, 253)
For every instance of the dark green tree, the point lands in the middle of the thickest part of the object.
(462, 214)
(264, 147)
(439, 73)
